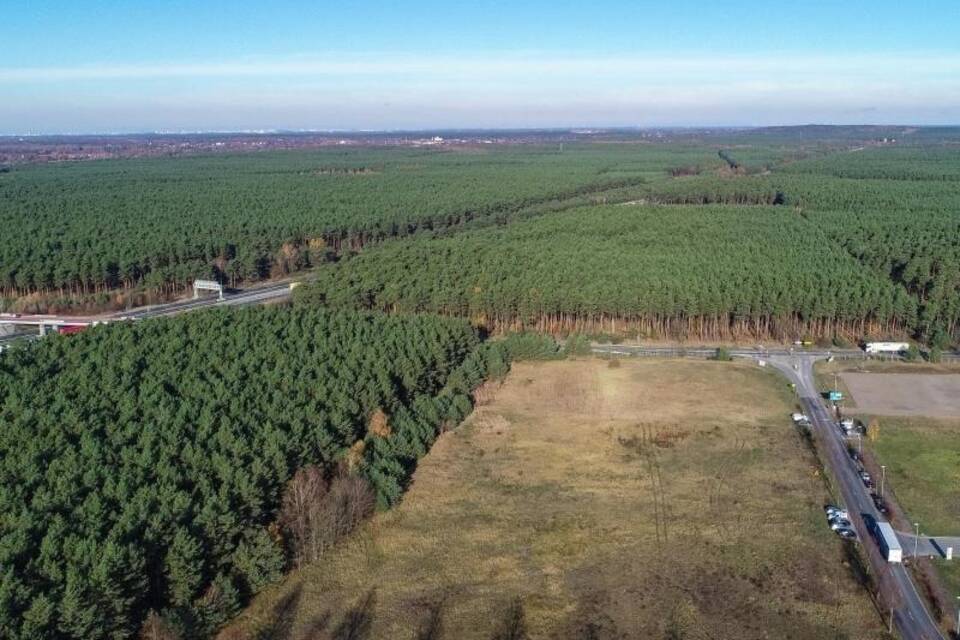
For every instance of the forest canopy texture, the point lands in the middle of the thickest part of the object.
(698, 271)
(143, 465)
(849, 245)
(81, 228)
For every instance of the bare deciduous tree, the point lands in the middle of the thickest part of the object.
(316, 514)
(305, 490)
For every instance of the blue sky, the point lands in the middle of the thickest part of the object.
(175, 65)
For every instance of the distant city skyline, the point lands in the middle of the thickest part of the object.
(119, 67)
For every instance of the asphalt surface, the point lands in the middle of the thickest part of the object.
(254, 295)
(14, 338)
(707, 352)
(929, 546)
(911, 617)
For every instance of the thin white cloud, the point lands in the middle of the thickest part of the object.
(502, 65)
(354, 91)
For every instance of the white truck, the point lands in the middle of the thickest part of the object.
(886, 347)
(888, 541)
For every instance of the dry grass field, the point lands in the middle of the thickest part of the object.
(647, 499)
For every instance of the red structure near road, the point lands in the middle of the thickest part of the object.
(70, 329)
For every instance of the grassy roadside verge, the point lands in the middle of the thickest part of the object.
(922, 460)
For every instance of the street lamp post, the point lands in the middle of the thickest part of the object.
(883, 476)
(916, 540)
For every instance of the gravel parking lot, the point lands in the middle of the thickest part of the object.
(905, 394)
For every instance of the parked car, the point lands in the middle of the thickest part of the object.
(867, 480)
(879, 503)
(840, 523)
(846, 533)
(833, 511)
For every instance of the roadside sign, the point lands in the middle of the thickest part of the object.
(835, 396)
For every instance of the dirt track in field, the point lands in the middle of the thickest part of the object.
(905, 394)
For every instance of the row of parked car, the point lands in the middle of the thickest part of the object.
(838, 518)
(839, 521)
(850, 427)
(867, 480)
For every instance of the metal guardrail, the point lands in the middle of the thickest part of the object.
(704, 353)
(655, 353)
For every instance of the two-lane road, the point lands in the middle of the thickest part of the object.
(911, 616)
(253, 295)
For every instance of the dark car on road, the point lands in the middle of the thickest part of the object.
(879, 503)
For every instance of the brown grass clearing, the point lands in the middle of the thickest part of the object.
(658, 499)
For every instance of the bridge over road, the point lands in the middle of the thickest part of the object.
(253, 295)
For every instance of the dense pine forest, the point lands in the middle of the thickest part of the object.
(148, 467)
(838, 246)
(905, 228)
(157, 474)
(692, 272)
(157, 224)
(78, 233)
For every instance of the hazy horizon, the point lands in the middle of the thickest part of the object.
(474, 131)
(130, 67)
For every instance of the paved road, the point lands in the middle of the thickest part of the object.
(707, 352)
(14, 338)
(911, 617)
(254, 295)
(929, 546)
